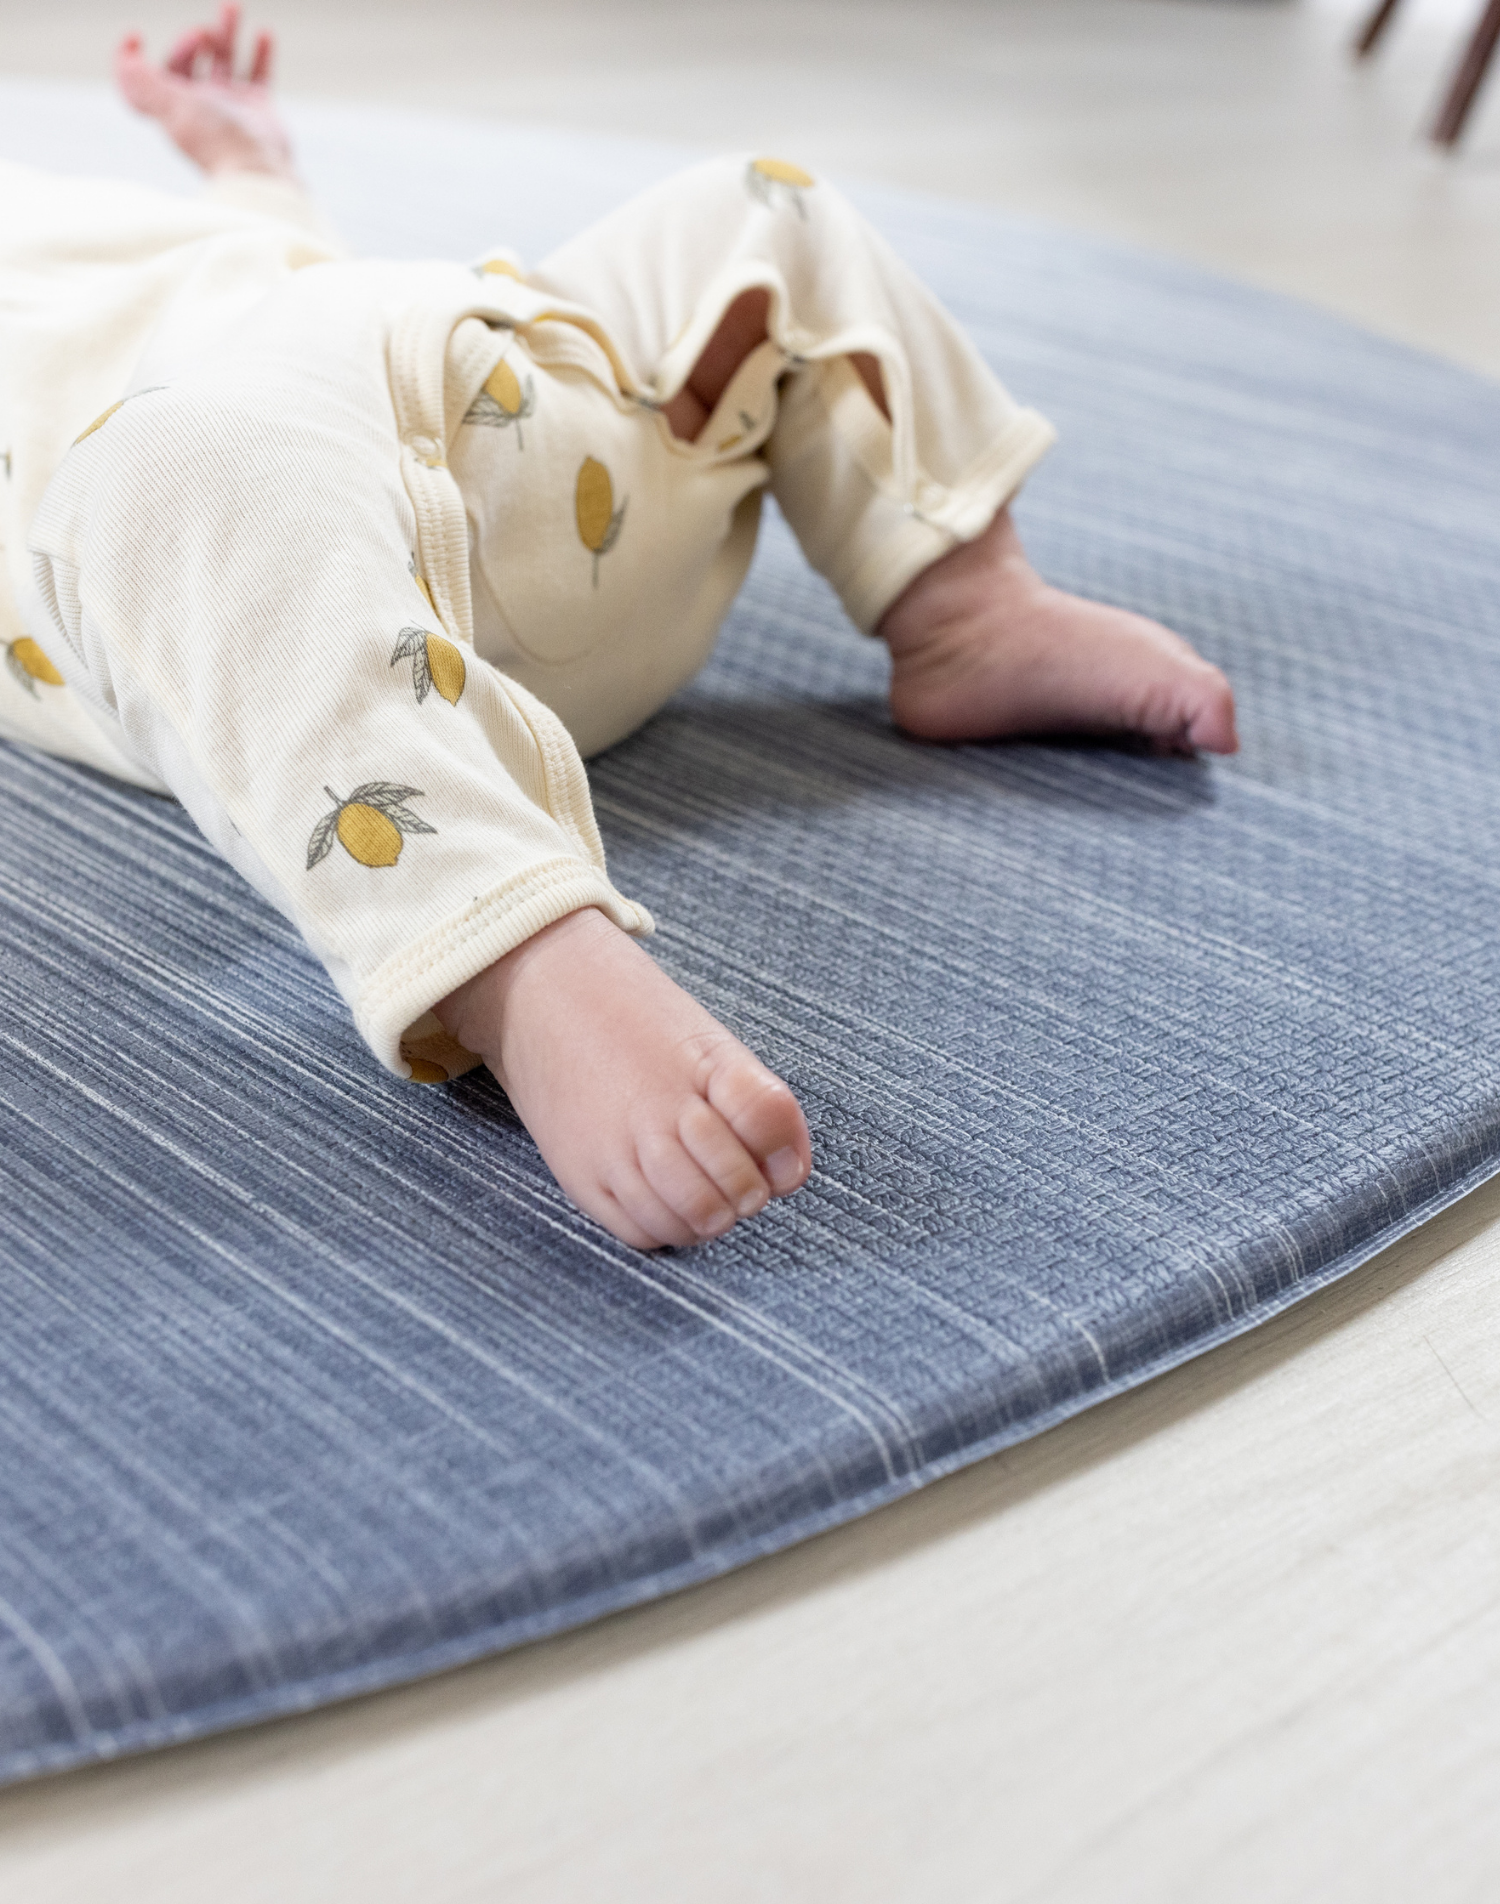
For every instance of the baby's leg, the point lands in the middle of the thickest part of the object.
(651, 1116)
(896, 479)
(981, 647)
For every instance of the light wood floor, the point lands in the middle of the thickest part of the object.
(1234, 1637)
(1236, 132)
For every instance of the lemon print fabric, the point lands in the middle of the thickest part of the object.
(423, 1070)
(777, 182)
(435, 663)
(748, 427)
(599, 522)
(371, 824)
(504, 400)
(29, 664)
(600, 532)
(105, 415)
(98, 422)
(421, 582)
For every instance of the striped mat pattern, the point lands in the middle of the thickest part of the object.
(311, 1382)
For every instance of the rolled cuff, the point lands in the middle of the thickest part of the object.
(869, 531)
(895, 542)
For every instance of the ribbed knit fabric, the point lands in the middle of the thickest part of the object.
(311, 1382)
(252, 567)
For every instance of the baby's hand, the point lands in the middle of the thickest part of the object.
(222, 123)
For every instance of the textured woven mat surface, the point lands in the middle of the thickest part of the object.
(311, 1381)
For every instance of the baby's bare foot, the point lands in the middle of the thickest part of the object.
(982, 649)
(651, 1116)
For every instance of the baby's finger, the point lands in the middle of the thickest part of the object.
(223, 40)
(142, 85)
(184, 55)
(265, 58)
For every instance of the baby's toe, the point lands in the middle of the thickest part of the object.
(683, 1186)
(764, 1115)
(1211, 726)
(619, 1222)
(1182, 704)
(634, 1210)
(719, 1154)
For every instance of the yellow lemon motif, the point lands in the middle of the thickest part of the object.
(29, 665)
(105, 415)
(594, 506)
(445, 668)
(370, 825)
(764, 178)
(595, 503)
(748, 425)
(424, 1071)
(421, 582)
(499, 268)
(435, 663)
(505, 387)
(782, 172)
(504, 400)
(98, 422)
(368, 835)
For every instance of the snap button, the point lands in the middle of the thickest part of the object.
(424, 448)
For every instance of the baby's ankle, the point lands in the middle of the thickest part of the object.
(476, 1013)
(972, 580)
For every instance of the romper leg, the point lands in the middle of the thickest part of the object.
(893, 439)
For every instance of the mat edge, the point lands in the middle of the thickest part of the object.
(408, 1669)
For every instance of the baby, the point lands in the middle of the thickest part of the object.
(359, 559)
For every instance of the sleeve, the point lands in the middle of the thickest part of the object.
(265, 196)
(232, 580)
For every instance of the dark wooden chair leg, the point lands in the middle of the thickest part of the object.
(1365, 40)
(1466, 81)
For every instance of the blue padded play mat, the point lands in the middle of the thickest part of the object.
(312, 1382)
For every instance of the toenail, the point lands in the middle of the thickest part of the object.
(784, 1168)
(717, 1225)
(754, 1200)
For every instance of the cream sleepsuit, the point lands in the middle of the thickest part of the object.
(358, 559)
